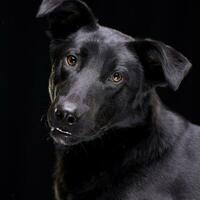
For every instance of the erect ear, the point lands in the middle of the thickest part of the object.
(162, 64)
(66, 16)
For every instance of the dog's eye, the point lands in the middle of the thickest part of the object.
(71, 60)
(117, 77)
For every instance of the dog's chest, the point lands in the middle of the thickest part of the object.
(122, 195)
(133, 193)
(104, 186)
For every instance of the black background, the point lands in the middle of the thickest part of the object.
(27, 155)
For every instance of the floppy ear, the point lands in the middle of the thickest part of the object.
(66, 16)
(163, 65)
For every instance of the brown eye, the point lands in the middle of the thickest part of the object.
(71, 60)
(117, 77)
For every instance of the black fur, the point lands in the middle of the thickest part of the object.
(116, 140)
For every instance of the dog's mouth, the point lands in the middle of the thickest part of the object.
(61, 131)
(60, 136)
(64, 137)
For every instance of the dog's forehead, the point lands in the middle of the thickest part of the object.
(104, 42)
(103, 34)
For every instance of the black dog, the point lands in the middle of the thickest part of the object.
(115, 139)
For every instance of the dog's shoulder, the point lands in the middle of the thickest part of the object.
(191, 142)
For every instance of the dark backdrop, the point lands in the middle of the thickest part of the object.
(27, 155)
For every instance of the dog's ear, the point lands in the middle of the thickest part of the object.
(163, 65)
(66, 16)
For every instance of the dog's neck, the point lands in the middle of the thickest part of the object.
(109, 158)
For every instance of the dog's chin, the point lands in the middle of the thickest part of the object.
(62, 138)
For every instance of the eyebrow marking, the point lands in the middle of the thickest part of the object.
(107, 68)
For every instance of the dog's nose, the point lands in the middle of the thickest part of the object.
(65, 116)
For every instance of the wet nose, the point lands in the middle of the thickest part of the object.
(65, 116)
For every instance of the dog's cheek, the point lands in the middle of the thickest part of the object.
(111, 108)
(53, 81)
(123, 103)
(105, 115)
(51, 88)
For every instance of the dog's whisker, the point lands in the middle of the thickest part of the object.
(83, 147)
(44, 120)
(48, 138)
(42, 117)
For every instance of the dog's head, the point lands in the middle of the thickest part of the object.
(99, 75)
